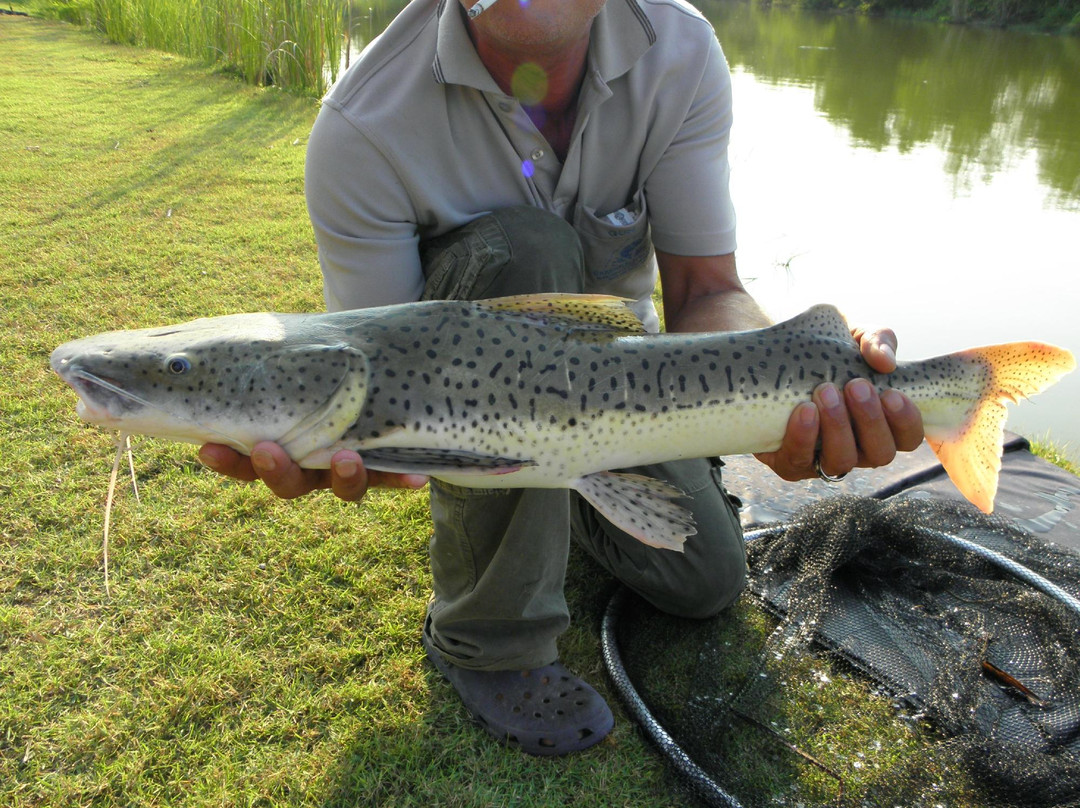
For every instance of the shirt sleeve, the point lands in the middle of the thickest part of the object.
(363, 218)
(688, 194)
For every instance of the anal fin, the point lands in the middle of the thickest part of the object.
(642, 506)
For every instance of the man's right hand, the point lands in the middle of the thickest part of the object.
(346, 477)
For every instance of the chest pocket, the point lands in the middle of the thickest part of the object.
(615, 243)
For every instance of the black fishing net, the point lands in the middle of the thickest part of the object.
(950, 675)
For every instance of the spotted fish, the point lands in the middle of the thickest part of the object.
(547, 391)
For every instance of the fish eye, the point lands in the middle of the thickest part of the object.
(178, 365)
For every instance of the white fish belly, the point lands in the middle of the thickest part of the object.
(618, 440)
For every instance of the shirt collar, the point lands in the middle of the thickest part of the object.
(621, 34)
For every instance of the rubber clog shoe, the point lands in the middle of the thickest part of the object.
(544, 711)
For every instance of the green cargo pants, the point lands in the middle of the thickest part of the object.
(498, 556)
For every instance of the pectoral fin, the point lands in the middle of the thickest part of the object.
(641, 506)
(433, 462)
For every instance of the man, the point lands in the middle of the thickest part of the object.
(551, 145)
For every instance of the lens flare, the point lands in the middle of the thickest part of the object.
(529, 84)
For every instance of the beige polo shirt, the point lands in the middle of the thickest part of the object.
(417, 139)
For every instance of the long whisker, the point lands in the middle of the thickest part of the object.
(105, 384)
(86, 376)
(131, 467)
(121, 442)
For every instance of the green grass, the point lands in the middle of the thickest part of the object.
(294, 44)
(252, 652)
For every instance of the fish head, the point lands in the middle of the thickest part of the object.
(235, 380)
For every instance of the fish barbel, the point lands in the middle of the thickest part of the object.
(541, 391)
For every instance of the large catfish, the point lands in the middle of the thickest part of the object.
(547, 391)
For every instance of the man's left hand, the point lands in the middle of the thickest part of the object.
(853, 426)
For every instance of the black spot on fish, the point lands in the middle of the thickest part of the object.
(780, 376)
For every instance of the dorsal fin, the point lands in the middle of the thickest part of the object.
(822, 320)
(578, 312)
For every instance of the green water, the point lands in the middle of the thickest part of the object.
(921, 176)
(985, 97)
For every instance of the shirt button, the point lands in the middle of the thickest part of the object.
(506, 106)
(538, 154)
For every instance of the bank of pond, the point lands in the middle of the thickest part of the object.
(302, 45)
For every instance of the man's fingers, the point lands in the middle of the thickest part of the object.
(904, 419)
(227, 461)
(878, 348)
(349, 480)
(385, 479)
(794, 460)
(283, 476)
(346, 477)
(874, 438)
(839, 452)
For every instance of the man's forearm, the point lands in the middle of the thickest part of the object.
(704, 293)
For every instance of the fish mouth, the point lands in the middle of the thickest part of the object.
(104, 402)
(101, 400)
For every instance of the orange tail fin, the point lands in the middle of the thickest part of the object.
(971, 453)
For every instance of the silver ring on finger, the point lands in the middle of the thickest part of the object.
(826, 477)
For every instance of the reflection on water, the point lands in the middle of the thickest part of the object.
(921, 176)
(985, 97)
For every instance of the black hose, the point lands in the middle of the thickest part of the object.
(707, 789)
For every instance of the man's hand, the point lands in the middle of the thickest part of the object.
(854, 426)
(346, 477)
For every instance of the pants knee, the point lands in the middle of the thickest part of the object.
(710, 593)
(545, 252)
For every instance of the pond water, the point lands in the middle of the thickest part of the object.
(921, 176)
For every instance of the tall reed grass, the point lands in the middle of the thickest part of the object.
(289, 43)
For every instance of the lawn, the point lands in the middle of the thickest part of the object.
(252, 652)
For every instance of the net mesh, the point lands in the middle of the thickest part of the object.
(949, 680)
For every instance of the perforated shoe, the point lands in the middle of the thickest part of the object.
(543, 711)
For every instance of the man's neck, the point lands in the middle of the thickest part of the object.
(546, 82)
(549, 80)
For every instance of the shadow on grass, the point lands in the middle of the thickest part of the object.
(442, 757)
